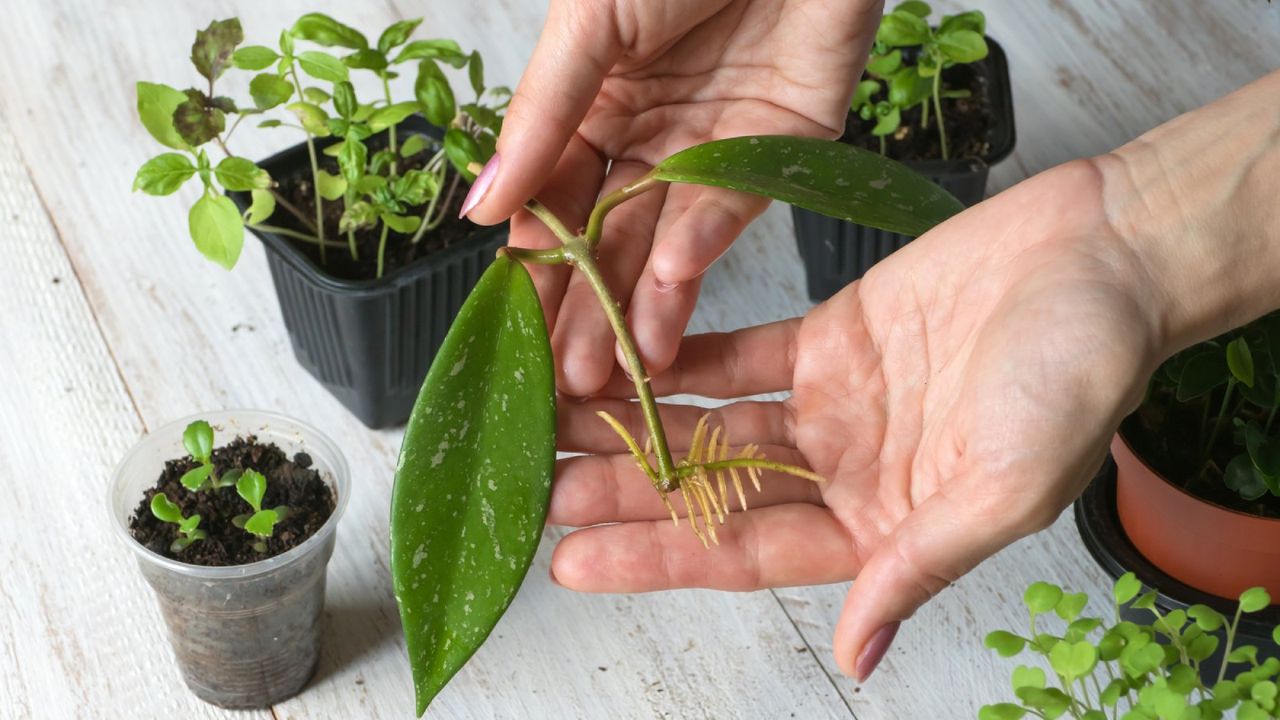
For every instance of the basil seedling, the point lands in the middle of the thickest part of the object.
(198, 440)
(188, 527)
(261, 523)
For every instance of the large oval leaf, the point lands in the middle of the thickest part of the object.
(832, 178)
(474, 478)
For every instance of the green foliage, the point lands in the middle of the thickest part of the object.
(188, 527)
(1133, 671)
(261, 523)
(197, 438)
(1209, 415)
(957, 40)
(370, 187)
(467, 512)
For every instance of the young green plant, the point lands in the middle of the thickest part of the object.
(188, 527)
(376, 189)
(261, 523)
(1129, 670)
(474, 475)
(197, 438)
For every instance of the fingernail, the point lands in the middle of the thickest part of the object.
(664, 287)
(873, 652)
(480, 186)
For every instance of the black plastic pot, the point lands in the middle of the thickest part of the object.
(837, 252)
(1099, 526)
(371, 342)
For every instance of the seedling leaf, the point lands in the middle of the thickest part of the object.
(262, 523)
(252, 486)
(164, 509)
(195, 478)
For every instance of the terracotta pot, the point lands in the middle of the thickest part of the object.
(1207, 546)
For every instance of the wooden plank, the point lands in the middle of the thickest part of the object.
(81, 635)
(189, 336)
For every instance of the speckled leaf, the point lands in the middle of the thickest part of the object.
(820, 175)
(474, 478)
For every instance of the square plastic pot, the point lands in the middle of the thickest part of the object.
(837, 252)
(371, 342)
(244, 636)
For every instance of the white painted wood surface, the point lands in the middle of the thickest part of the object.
(110, 323)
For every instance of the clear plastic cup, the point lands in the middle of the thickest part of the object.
(245, 636)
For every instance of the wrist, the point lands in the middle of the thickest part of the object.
(1195, 200)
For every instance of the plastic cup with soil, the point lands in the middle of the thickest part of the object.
(243, 611)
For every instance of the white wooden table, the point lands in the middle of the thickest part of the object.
(110, 324)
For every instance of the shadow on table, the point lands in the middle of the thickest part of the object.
(353, 629)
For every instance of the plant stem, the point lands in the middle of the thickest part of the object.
(280, 199)
(882, 146)
(382, 247)
(295, 234)
(937, 105)
(391, 131)
(1217, 425)
(748, 462)
(315, 170)
(1226, 649)
(426, 223)
(596, 222)
(444, 207)
(924, 115)
(553, 256)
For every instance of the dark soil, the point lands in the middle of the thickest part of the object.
(293, 483)
(969, 122)
(1166, 435)
(297, 189)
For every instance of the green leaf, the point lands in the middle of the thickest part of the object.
(462, 149)
(331, 187)
(324, 30)
(367, 59)
(440, 49)
(188, 525)
(344, 99)
(907, 88)
(195, 478)
(164, 509)
(832, 178)
(269, 90)
(962, 46)
(163, 174)
(198, 119)
(1052, 702)
(1254, 599)
(1244, 654)
(262, 207)
(885, 65)
(316, 96)
(1244, 478)
(1126, 588)
(228, 478)
(1240, 360)
(433, 92)
(197, 439)
(156, 105)
(1080, 628)
(1027, 676)
(396, 34)
(385, 117)
(1202, 372)
(475, 73)
(211, 53)
(1263, 451)
(889, 119)
(237, 173)
(1275, 635)
(217, 229)
(1005, 643)
(252, 486)
(1202, 647)
(972, 20)
(1073, 660)
(1112, 693)
(1041, 597)
(1071, 605)
(322, 66)
(1205, 617)
(412, 145)
(254, 57)
(862, 95)
(902, 29)
(1001, 711)
(262, 523)
(404, 224)
(919, 8)
(415, 187)
(474, 477)
(313, 118)
(357, 215)
(353, 159)
(1145, 601)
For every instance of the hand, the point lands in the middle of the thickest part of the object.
(955, 399)
(633, 81)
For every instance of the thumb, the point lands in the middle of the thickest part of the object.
(577, 48)
(933, 546)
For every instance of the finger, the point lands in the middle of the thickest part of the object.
(933, 546)
(583, 338)
(594, 489)
(574, 53)
(579, 429)
(783, 545)
(749, 361)
(570, 192)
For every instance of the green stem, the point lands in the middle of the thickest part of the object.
(426, 225)
(1217, 425)
(937, 104)
(1226, 650)
(280, 199)
(554, 256)
(444, 207)
(882, 146)
(315, 170)
(295, 234)
(924, 116)
(391, 131)
(382, 247)
(596, 222)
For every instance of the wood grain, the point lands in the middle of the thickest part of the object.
(139, 329)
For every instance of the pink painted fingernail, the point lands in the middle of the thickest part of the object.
(664, 287)
(873, 652)
(480, 186)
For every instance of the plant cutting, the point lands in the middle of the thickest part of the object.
(237, 565)
(359, 218)
(935, 97)
(473, 481)
(1198, 466)
(1146, 665)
